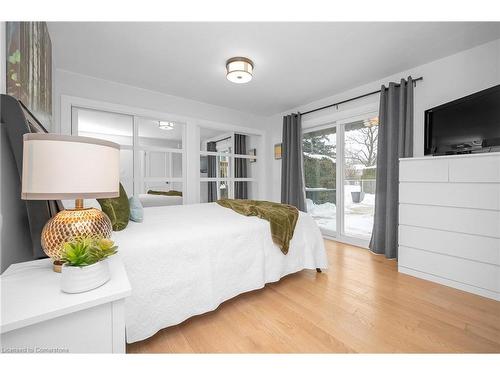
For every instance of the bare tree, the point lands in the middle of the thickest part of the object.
(366, 138)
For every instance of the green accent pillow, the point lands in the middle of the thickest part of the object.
(117, 209)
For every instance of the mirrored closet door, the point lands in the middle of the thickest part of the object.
(160, 162)
(152, 152)
(228, 165)
(114, 127)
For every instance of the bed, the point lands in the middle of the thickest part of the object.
(153, 200)
(186, 260)
(181, 260)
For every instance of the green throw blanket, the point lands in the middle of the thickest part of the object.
(170, 193)
(282, 217)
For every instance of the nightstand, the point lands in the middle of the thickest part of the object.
(37, 317)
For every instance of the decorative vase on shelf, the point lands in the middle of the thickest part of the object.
(81, 279)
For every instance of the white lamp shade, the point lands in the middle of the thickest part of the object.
(69, 167)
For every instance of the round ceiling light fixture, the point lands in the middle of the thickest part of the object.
(166, 125)
(239, 70)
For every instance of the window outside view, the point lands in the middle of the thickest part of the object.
(320, 161)
(359, 177)
(358, 180)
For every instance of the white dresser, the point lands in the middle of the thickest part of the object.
(36, 317)
(449, 221)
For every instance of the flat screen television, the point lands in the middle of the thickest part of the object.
(467, 125)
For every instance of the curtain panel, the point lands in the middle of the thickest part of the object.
(240, 167)
(212, 171)
(292, 164)
(395, 140)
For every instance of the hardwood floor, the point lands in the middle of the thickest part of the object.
(360, 304)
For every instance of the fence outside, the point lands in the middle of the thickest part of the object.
(366, 185)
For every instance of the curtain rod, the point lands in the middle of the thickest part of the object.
(351, 99)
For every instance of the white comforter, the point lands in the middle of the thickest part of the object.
(186, 260)
(153, 200)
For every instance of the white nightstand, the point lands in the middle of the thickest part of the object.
(37, 317)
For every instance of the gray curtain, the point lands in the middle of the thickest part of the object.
(395, 140)
(240, 167)
(292, 165)
(212, 171)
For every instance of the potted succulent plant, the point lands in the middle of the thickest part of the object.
(85, 264)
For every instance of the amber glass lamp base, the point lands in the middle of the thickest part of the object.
(68, 224)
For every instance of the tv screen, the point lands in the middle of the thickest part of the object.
(467, 125)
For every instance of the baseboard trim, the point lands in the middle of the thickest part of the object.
(349, 241)
(451, 283)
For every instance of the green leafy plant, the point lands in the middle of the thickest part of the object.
(86, 250)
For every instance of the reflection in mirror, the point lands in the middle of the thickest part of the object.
(215, 167)
(151, 164)
(159, 133)
(214, 140)
(227, 169)
(127, 171)
(114, 127)
(161, 193)
(224, 189)
(160, 153)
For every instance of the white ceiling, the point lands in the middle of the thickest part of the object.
(295, 63)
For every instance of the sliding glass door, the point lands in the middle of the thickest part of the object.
(360, 163)
(339, 168)
(320, 170)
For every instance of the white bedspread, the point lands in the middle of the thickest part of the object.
(186, 260)
(153, 200)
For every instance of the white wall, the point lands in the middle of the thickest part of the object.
(446, 79)
(74, 84)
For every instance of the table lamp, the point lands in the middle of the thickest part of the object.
(70, 167)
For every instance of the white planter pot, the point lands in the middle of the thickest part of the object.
(82, 279)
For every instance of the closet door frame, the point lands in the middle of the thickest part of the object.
(72, 104)
(191, 139)
(231, 156)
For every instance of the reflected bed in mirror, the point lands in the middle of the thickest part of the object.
(161, 197)
(160, 154)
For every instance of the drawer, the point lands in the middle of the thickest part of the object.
(465, 271)
(432, 170)
(86, 331)
(475, 169)
(482, 249)
(483, 196)
(462, 220)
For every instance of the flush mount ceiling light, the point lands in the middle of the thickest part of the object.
(239, 70)
(165, 125)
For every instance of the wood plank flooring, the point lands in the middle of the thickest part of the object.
(360, 304)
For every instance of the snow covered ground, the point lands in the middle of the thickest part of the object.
(358, 216)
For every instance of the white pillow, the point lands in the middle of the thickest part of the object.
(87, 203)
